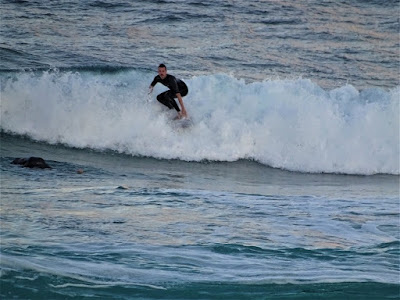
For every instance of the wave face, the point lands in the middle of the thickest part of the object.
(289, 124)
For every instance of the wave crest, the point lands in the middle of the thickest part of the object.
(290, 124)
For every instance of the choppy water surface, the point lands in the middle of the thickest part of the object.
(153, 229)
(330, 42)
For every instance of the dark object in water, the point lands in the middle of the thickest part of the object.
(31, 162)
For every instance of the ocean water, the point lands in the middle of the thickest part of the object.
(286, 186)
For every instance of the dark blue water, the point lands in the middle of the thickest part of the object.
(331, 42)
(286, 185)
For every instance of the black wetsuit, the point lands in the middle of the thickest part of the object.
(175, 86)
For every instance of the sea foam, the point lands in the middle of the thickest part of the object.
(289, 124)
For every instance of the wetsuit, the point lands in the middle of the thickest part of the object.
(175, 86)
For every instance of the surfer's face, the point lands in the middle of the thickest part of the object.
(162, 72)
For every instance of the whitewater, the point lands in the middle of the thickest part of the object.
(292, 124)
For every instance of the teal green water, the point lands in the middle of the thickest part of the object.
(139, 228)
(209, 291)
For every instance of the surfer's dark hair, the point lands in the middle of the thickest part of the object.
(162, 66)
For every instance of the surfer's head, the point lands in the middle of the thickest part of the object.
(162, 71)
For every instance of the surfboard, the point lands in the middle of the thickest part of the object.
(183, 123)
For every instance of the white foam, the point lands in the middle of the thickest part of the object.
(290, 124)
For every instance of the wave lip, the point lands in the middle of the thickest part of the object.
(289, 124)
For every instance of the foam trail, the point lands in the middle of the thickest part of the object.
(289, 124)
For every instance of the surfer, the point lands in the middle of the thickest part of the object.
(177, 89)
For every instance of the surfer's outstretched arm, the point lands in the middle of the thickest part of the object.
(182, 113)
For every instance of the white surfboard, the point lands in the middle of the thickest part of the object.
(183, 123)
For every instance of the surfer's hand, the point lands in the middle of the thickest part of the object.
(183, 113)
(150, 90)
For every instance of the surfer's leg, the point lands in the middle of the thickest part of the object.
(167, 99)
(164, 99)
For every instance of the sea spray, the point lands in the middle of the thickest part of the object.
(290, 124)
